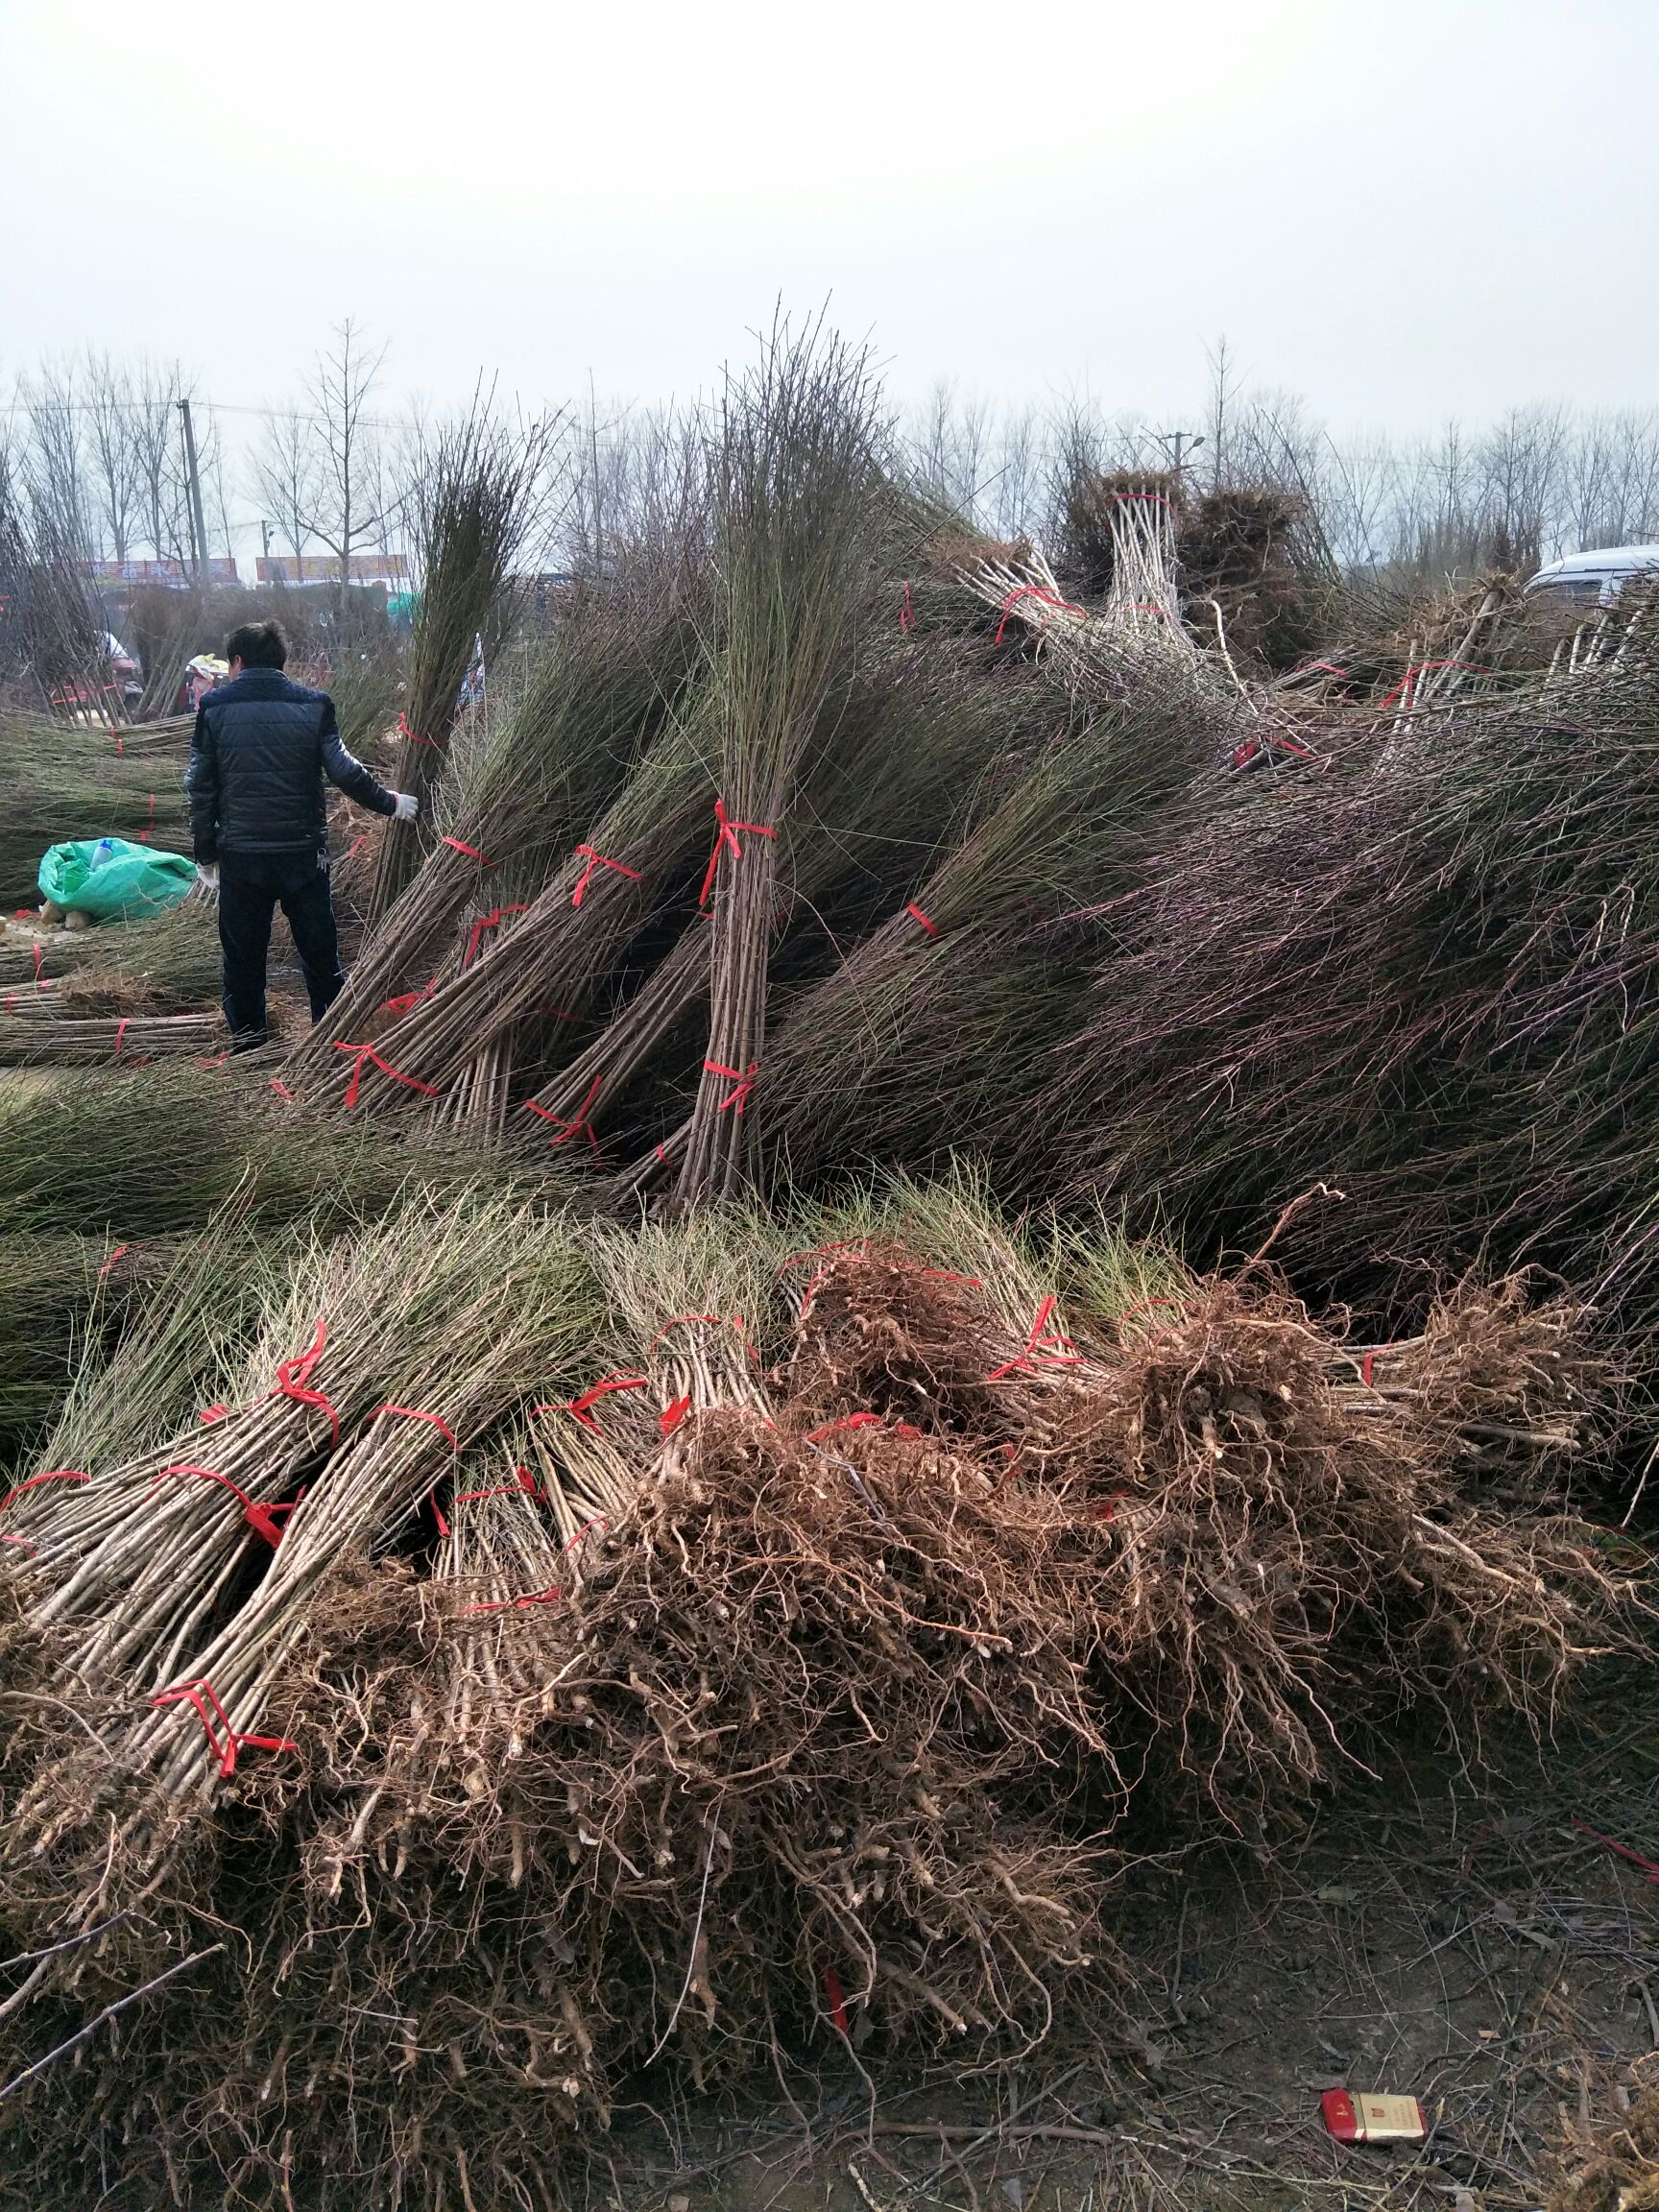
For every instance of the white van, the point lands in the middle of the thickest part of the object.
(1594, 579)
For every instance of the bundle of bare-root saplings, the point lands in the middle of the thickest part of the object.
(509, 1651)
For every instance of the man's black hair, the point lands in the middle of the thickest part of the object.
(257, 645)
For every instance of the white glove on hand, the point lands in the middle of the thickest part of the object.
(408, 805)
(207, 876)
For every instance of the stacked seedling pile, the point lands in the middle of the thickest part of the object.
(579, 1651)
(66, 783)
(1424, 977)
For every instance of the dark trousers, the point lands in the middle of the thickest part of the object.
(252, 887)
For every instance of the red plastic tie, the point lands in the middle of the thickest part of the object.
(1032, 591)
(281, 1089)
(906, 613)
(55, 1475)
(258, 1517)
(111, 1261)
(944, 1275)
(201, 1694)
(598, 859)
(931, 927)
(672, 1415)
(737, 1097)
(120, 1032)
(1329, 667)
(548, 1596)
(691, 1320)
(847, 1421)
(491, 920)
(458, 844)
(1045, 1347)
(39, 967)
(580, 1408)
(1403, 689)
(414, 736)
(368, 1052)
(209, 1414)
(726, 839)
(294, 1378)
(212, 1060)
(580, 1127)
(523, 1484)
(837, 2004)
(414, 1413)
(1611, 1843)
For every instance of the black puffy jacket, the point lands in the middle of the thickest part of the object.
(260, 751)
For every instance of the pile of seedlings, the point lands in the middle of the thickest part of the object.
(507, 1652)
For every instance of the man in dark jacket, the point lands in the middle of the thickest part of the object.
(258, 819)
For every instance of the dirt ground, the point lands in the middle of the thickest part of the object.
(1439, 1931)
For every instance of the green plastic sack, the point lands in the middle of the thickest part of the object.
(109, 878)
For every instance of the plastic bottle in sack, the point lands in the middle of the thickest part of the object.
(104, 850)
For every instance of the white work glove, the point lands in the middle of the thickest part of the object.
(207, 876)
(407, 807)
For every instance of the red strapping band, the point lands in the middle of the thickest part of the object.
(1244, 754)
(686, 1320)
(1045, 1347)
(548, 1596)
(726, 838)
(120, 1032)
(744, 1083)
(523, 1484)
(201, 1694)
(579, 1408)
(672, 1415)
(1330, 667)
(368, 1052)
(931, 927)
(211, 1059)
(471, 851)
(837, 2004)
(1031, 592)
(1403, 689)
(414, 736)
(55, 1475)
(209, 1414)
(414, 1413)
(1611, 1844)
(111, 1261)
(598, 859)
(906, 613)
(491, 920)
(39, 966)
(281, 1089)
(580, 1127)
(294, 1378)
(258, 1517)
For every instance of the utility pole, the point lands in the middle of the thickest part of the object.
(1172, 441)
(193, 479)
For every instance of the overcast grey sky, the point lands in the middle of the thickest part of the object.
(1402, 210)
